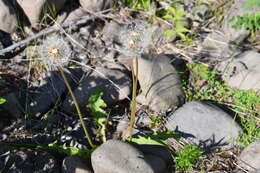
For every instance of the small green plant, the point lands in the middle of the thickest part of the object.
(49, 15)
(251, 3)
(138, 4)
(187, 158)
(248, 21)
(144, 4)
(176, 15)
(252, 133)
(96, 105)
(2, 100)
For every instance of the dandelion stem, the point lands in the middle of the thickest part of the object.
(133, 103)
(77, 108)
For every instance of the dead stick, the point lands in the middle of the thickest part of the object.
(53, 28)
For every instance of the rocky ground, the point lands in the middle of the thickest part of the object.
(205, 88)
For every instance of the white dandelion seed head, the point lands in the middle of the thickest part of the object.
(55, 52)
(135, 38)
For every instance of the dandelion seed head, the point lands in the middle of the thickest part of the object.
(55, 52)
(135, 38)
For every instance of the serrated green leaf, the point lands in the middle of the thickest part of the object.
(70, 151)
(146, 140)
(181, 35)
(168, 17)
(157, 138)
(171, 10)
(181, 30)
(2, 100)
(96, 103)
(169, 33)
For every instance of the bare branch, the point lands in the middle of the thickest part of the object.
(52, 29)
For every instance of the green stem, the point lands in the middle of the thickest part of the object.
(77, 108)
(133, 103)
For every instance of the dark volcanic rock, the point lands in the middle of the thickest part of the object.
(47, 92)
(74, 164)
(25, 160)
(12, 105)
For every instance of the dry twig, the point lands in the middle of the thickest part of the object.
(52, 29)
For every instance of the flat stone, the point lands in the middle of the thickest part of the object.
(119, 157)
(74, 164)
(96, 5)
(205, 124)
(105, 79)
(8, 19)
(242, 71)
(249, 159)
(160, 83)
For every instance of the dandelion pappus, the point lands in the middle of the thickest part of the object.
(54, 51)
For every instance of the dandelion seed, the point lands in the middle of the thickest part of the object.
(135, 38)
(55, 52)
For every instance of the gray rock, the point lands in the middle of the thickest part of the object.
(101, 78)
(249, 159)
(204, 124)
(216, 45)
(1, 44)
(220, 44)
(74, 164)
(96, 5)
(111, 30)
(26, 160)
(8, 19)
(160, 83)
(242, 71)
(33, 9)
(237, 8)
(119, 157)
(75, 14)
